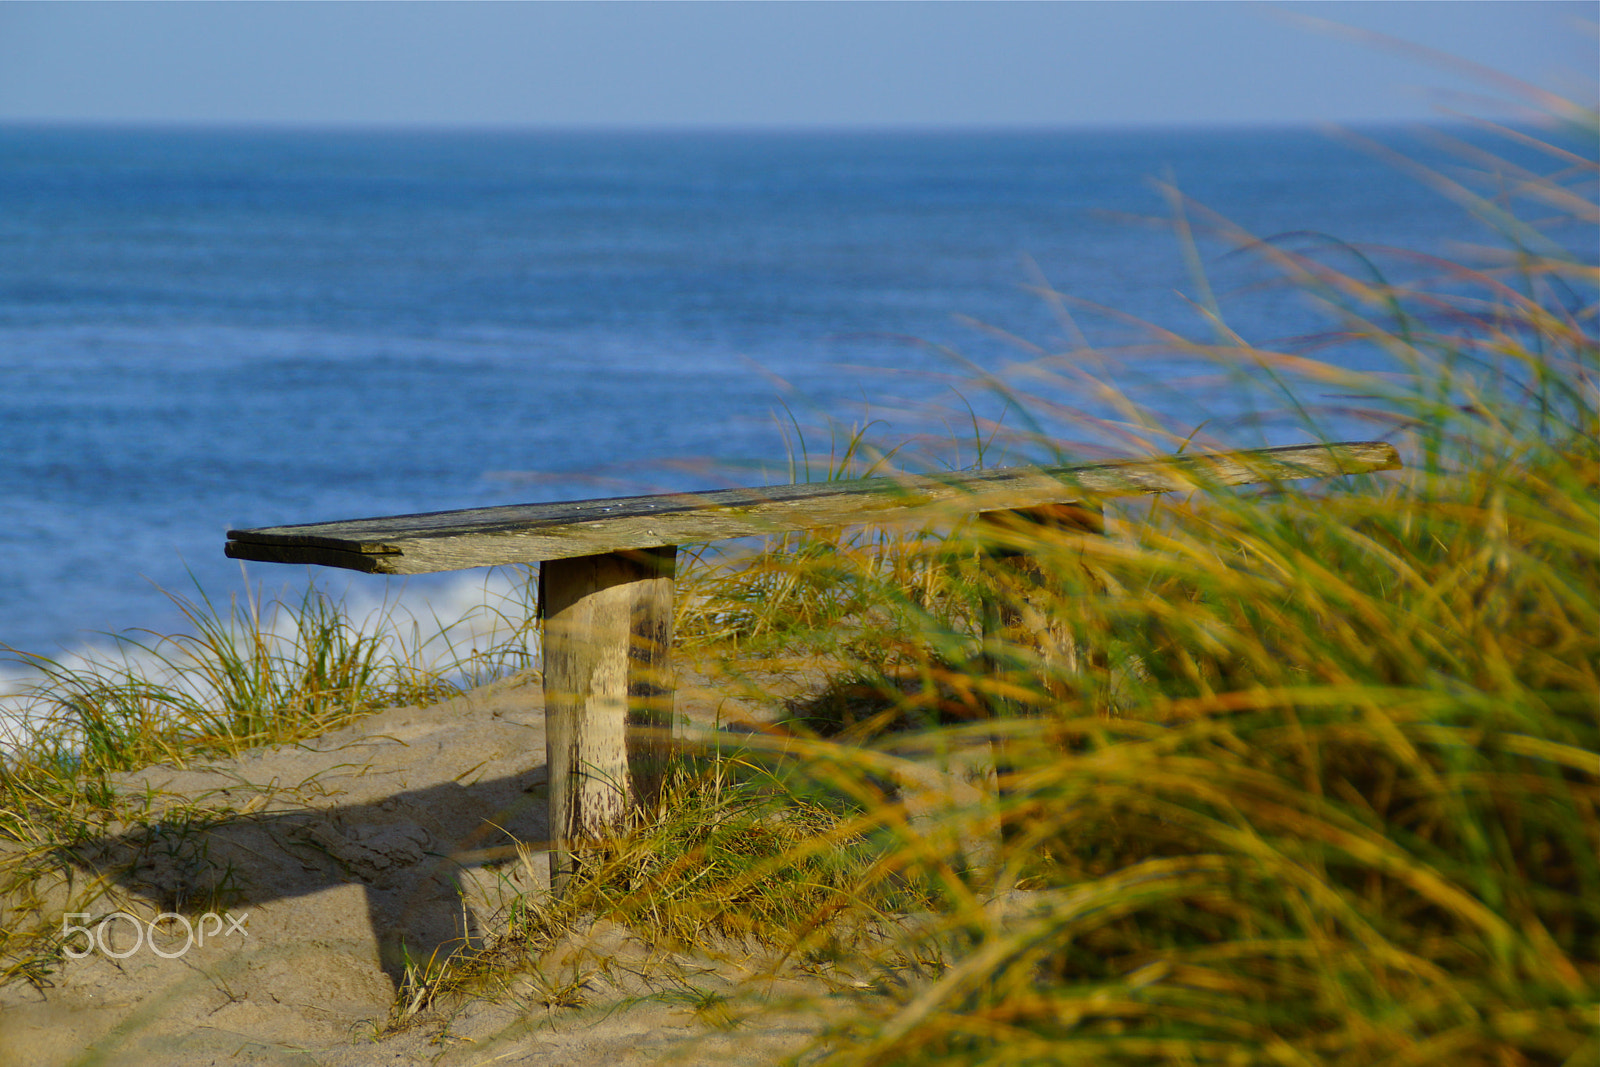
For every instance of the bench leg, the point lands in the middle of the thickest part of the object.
(607, 641)
(1018, 619)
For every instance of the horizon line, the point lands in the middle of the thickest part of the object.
(335, 126)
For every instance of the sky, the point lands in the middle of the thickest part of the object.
(739, 64)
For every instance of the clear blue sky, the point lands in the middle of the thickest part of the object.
(763, 64)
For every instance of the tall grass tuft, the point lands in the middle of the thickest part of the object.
(247, 674)
(1295, 774)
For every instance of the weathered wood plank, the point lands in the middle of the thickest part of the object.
(317, 554)
(526, 533)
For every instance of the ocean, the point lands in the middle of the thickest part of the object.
(203, 329)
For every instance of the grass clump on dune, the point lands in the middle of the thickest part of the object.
(1307, 773)
(248, 675)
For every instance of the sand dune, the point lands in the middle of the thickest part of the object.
(330, 866)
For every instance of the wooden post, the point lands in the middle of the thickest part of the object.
(1018, 618)
(607, 642)
(1017, 611)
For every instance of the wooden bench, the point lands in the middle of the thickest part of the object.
(607, 568)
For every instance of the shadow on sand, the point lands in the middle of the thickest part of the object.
(416, 856)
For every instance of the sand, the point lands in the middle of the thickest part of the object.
(330, 865)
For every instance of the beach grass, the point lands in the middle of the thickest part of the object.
(1303, 773)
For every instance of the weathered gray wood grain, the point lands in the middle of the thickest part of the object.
(526, 533)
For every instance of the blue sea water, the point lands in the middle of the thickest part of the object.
(205, 329)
